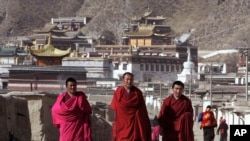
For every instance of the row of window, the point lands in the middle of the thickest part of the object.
(154, 67)
(161, 67)
(124, 66)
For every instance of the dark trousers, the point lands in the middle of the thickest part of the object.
(223, 137)
(208, 133)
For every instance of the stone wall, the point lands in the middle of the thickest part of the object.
(4, 135)
(26, 116)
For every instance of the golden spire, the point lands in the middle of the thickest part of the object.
(130, 50)
(49, 39)
(112, 51)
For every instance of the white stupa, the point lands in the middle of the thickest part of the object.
(188, 73)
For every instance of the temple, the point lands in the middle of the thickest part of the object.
(49, 55)
(147, 31)
(63, 35)
(149, 48)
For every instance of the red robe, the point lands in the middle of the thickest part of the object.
(208, 120)
(155, 133)
(72, 117)
(176, 119)
(131, 116)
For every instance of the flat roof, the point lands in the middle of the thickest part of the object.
(48, 68)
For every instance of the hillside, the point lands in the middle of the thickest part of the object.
(219, 24)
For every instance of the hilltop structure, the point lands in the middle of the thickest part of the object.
(148, 50)
(65, 33)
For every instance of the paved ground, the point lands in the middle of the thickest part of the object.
(198, 133)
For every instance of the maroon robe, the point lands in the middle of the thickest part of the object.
(176, 119)
(208, 119)
(72, 117)
(131, 116)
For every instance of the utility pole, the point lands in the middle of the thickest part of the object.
(244, 50)
(211, 73)
(246, 53)
(190, 83)
(160, 90)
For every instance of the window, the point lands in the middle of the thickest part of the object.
(180, 68)
(167, 68)
(152, 67)
(124, 66)
(157, 67)
(146, 67)
(116, 66)
(172, 68)
(140, 42)
(5, 85)
(162, 67)
(141, 67)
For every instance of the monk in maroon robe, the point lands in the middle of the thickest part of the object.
(208, 124)
(131, 116)
(176, 116)
(71, 114)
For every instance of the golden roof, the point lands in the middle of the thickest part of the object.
(142, 30)
(50, 51)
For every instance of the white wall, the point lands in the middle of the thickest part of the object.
(85, 63)
(118, 73)
(7, 60)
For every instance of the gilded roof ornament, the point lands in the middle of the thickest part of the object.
(50, 51)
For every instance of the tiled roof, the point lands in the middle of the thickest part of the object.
(8, 51)
(48, 68)
(230, 88)
(50, 51)
(142, 30)
(39, 36)
(155, 18)
(223, 89)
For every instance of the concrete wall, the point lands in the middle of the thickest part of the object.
(4, 134)
(26, 116)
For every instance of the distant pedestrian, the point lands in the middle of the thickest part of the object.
(208, 124)
(221, 119)
(222, 130)
(155, 130)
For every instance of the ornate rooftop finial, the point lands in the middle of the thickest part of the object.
(147, 12)
(112, 51)
(130, 49)
(189, 54)
(49, 39)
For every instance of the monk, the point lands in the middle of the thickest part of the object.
(131, 116)
(71, 114)
(176, 116)
(208, 124)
